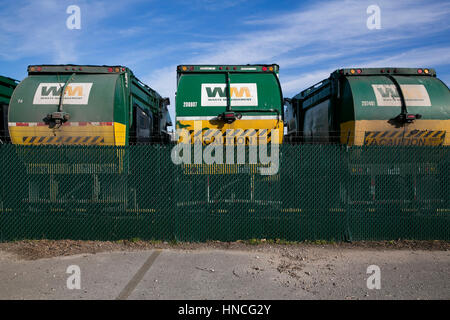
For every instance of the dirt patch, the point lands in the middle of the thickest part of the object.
(38, 249)
(291, 268)
(400, 244)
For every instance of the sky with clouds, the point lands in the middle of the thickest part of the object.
(308, 39)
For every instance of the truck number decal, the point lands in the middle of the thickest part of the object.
(368, 103)
(189, 104)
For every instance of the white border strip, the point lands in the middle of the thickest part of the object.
(70, 124)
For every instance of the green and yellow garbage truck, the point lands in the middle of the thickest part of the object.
(243, 98)
(86, 105)
(372, 106)
(7, 86)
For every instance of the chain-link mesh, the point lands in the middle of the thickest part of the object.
(320, 192)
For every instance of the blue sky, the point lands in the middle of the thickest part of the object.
(308, 39)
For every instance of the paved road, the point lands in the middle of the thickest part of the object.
(289, 273)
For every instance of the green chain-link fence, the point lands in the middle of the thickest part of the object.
(325, 192)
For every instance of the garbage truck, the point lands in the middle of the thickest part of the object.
(372, 106)
(7, 86)
(243, 98)
(86, 105)
(395, 125)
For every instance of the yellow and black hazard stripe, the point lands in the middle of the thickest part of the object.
(400, 137)
(236, 137)
(91, 140)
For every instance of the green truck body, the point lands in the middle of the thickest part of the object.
(101, 105)
(222, 97)
(7, 86)
(372, 106)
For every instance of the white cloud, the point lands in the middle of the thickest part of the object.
(324, 27)
(419, 57)
(34, 28)
(308, 42)
(293, 84)
(214, 5)
(322, 37)
(38, 29)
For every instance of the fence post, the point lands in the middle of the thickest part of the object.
(347, 182)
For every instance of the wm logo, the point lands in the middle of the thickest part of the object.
(241, 94)
(388, 92)
(234, 92)
(55, 91)
(213, 92)
(74, 93)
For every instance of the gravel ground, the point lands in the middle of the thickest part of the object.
(215, 270)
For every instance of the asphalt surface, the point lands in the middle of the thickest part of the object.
(287, 273)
